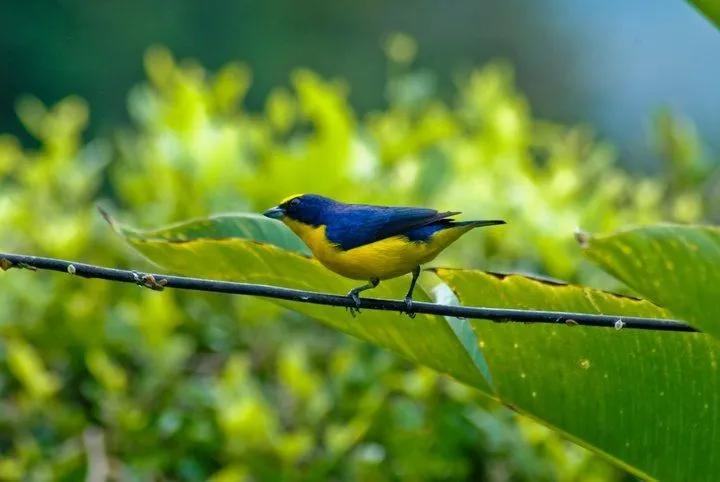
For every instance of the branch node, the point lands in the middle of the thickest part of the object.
(6, 264)
(149, 281)
(71, 269)
(582, 238)
(571, 322)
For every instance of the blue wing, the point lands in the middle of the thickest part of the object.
(353, 225)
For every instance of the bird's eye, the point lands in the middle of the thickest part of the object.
(295, 203)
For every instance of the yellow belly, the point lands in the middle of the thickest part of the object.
(384, 259)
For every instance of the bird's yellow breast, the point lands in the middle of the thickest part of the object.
(384, 259)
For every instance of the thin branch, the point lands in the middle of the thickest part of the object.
(161, 281)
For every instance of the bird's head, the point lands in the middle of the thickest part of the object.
(309, 209)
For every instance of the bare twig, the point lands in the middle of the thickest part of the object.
(160, 281)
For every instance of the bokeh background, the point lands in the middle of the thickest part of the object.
(552, 115)
(609, 64)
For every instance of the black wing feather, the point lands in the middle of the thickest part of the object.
(354, 225)
(406, 219)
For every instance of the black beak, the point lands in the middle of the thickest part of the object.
(274, 213)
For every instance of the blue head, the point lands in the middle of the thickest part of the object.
(310, 209)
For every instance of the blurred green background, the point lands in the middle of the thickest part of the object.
(608, 64)
(184, 109)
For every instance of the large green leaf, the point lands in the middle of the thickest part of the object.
(648, 400)
(247, 226)
(247, 248)
(711, 9)
(675, 266)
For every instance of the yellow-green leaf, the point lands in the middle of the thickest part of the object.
(248, 227)
(675, 266)
(650, 401)
(247, 248)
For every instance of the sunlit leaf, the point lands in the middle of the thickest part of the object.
(647, 400)
(623, 393)
(247, 227)
(247, 248)
(675, 266)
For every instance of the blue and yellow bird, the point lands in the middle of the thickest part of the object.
(371, 243)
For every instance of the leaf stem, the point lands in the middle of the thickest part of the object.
(159, 282)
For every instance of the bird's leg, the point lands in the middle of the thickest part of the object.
(408, 296)
(354, 294)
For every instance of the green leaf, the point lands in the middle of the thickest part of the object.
(711, 9)
(649, 401)
(247, 248)
(247, 226)
(646, 400)
(675, 266)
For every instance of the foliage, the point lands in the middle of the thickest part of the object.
(610, 405)
(626, 392)
(669, 264)
(187, 387)
(272, 259)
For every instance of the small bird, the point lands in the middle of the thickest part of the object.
(371, 243)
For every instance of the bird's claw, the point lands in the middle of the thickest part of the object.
(409, 307)
(354, 310)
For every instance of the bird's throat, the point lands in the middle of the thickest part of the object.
(313, 236)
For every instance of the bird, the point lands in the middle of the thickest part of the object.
(371, 243)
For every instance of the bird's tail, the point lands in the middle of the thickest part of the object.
(479, 224)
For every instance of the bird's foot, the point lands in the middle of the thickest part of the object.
(354, 310)
(409, 307)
